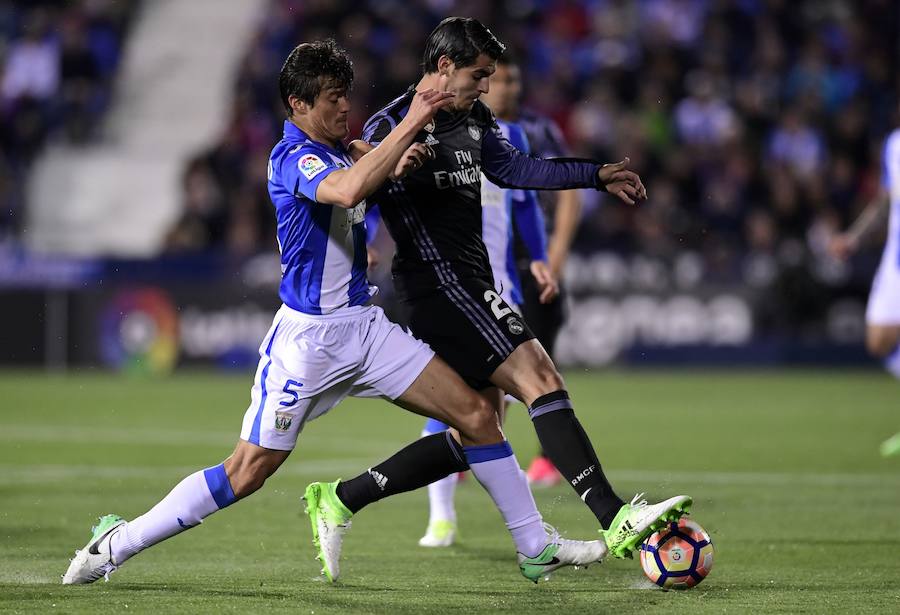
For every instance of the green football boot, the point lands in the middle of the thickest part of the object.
(329, 519)
(636, 521)
(441, 533)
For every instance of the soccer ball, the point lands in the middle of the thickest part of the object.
(678, 556)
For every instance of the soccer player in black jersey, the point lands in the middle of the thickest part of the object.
(441, 270)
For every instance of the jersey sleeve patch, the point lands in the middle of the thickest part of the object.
(311, 165)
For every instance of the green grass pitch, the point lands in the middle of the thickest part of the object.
(783, 468)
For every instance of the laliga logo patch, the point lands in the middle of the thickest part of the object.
(283, 420)
(311, 165)
(429, 127)
(515, 325)
(474, 132)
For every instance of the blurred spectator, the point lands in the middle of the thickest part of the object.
(797, 145)
(704, 118)
(204, 221)
(32, 64)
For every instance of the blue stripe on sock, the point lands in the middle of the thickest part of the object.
(254, 432)
(434, 426)
(219, 486)
(559, 404)
(488, 452)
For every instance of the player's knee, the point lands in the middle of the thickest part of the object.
(481, 421)
(548, 379)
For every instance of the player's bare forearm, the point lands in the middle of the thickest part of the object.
(842, 245)
(565, 224)
(873, 216)
(348, 187)
(414, 156)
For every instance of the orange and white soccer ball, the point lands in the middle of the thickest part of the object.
(678, 556)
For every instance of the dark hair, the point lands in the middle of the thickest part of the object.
(461, 39)
(312, 66)
(509, 58)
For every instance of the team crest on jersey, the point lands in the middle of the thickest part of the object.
(283, 420)
(474, 132)
(515, 325)
(429, 127)
(311, 165)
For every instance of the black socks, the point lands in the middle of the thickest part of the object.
(421, 463)
(567, 445)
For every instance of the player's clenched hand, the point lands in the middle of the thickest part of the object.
(413, 158)
(425, 104)
(546, 281)
(619, 181)
(359, 148)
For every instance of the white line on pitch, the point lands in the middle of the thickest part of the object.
(12, 474)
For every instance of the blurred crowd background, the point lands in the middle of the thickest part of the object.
(753, 122)
(58, 64)
(756, 125)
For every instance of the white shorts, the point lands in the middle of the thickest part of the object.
(884, 298)
(309, 363)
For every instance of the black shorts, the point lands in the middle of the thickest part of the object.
(545, 319)
(470, 327)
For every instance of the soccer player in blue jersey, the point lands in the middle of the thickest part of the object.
(326, 343)
(883, 309)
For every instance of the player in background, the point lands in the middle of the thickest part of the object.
(503, 210)
(883, 309)
(562, 213)
(441, 270)
(327, 342)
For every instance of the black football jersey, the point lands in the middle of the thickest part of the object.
(434, 213)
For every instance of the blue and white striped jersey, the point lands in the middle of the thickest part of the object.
(891, 181)
(500, 206)
(323, 247)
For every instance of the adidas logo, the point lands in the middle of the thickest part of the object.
(380, 479)
(430, 140)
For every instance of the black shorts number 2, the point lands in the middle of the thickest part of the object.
(469, 325)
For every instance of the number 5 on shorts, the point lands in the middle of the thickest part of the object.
(287, 389)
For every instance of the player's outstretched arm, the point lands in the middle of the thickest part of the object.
(347, 187)
(842, 245)
(508, 167)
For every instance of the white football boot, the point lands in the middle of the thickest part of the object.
(559, 553)
(95, 561)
